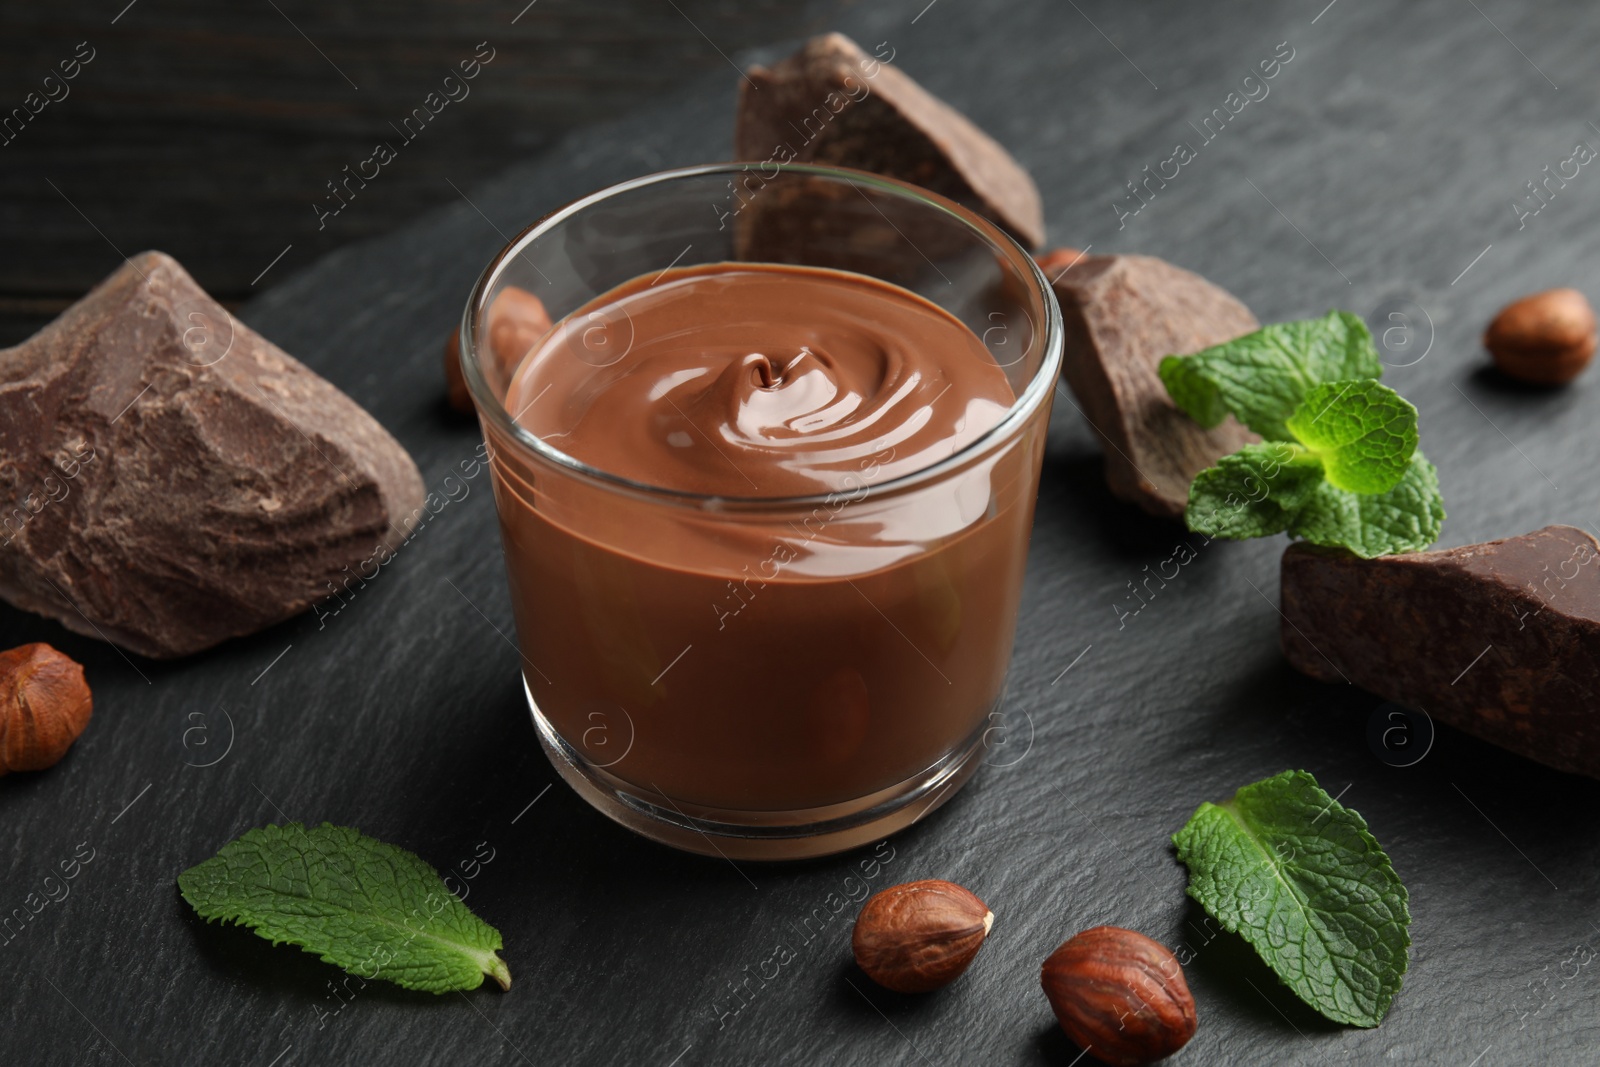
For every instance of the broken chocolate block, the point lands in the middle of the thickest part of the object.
(1501, 640)
(1123, 314)
(171, 479)
(834, 104)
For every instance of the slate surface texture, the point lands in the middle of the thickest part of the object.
(1378, 175)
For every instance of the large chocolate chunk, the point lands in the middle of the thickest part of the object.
(832, 103)
(171, 479)
(1123, 314)
(1499, 639)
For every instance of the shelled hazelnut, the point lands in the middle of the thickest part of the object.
(44, 706)
(1120, 996)
(919, 936)
(1546, 339)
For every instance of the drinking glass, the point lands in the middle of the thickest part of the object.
(830, 680)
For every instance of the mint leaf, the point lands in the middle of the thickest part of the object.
(1299, 877)
(1363, 432)
(1255, 492)
(1263, 376)
(368, 907)
(1407, 518)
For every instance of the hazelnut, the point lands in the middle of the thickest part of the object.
(919, 936)
(1547, 338)
(1055, 262)
(455, 382)
(1119, 995)
(517, 319)
(44, 706)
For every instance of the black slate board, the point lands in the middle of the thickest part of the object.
(1381, 166)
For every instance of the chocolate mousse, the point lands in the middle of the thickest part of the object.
(750, 576)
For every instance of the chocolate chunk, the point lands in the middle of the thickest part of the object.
(1500, 639)
(1123, 314)
(832, 103)
(172, 479)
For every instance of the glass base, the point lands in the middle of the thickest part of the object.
(759, 835)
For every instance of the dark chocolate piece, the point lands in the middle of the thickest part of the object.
(171, 479)
(832, 103)
(1500, 639)
(1123, 314)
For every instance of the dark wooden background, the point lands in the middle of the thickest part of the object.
(209, 131)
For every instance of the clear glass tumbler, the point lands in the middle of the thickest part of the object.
(829, 681)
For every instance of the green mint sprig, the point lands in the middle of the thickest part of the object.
(1300, 877)
(1339, 465)
(1261, 377)
(371, 908)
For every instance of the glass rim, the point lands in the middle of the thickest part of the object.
(1039, 387)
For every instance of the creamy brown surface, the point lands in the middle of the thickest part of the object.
(789, 657)
(759, 381)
